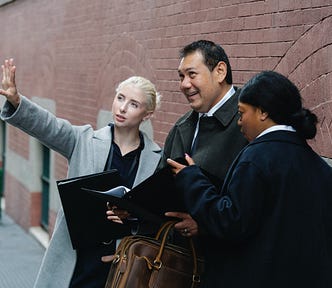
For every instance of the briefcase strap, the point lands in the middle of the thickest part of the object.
(157, 263)
(161, 236)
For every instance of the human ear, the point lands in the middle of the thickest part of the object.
(147, 116)
(221, 70)
(263, 114)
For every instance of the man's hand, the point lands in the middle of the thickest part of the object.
(8, 83)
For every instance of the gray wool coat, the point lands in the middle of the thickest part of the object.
(86, 151)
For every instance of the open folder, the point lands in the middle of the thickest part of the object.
(84, 200)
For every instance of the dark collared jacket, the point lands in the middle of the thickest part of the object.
(220, 139)
(271, 224)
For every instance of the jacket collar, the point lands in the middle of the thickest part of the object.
(280, 136)
(224, 114)
(103, 142)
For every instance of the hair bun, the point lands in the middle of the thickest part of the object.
(304, 123)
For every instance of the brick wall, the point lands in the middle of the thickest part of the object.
(75, 52)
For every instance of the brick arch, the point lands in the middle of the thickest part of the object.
(308, 63)
(124, 57)
(43, 76)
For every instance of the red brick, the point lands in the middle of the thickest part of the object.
(76, 55)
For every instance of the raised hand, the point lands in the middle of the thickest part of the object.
(8, 83)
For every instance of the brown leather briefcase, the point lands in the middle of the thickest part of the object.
(144, 262)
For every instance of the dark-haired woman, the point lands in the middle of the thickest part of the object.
(271, 224)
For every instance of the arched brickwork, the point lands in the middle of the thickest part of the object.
(308, 63)
(129, 58)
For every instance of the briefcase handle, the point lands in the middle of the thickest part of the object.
(161, 236)
(157, 263)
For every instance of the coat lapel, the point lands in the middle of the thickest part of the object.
(186, 130)
(101, 148)
(149, 159)
(148, 162)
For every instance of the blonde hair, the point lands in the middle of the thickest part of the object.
(147, 87)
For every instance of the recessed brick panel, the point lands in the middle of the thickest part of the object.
(22, 206)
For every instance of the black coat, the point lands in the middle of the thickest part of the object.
(220, 140)
(271, 225)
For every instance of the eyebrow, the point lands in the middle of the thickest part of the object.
(187, 69)
(132, 100)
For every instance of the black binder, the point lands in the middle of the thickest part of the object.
(150, 199)
(85, 204)
(86, 215)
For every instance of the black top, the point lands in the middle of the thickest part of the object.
(127, 165)
(90, 271)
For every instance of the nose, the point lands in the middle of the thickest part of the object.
(123, 108)
(185, 83)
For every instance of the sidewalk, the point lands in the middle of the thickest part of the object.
(20, 255)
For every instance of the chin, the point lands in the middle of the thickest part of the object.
(197, 108)
(249, 138)
(245, 136)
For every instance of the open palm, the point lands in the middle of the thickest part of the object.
(8, 82)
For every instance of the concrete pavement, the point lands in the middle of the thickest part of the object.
(20, 255)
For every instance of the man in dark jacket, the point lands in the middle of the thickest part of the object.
(206, 81)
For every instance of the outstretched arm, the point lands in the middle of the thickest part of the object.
(8, 83)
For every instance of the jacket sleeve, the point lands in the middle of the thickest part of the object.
(234, 212)
(56, 133)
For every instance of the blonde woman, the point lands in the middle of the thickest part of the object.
(121, 145)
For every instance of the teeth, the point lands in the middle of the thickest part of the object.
(191, 94)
